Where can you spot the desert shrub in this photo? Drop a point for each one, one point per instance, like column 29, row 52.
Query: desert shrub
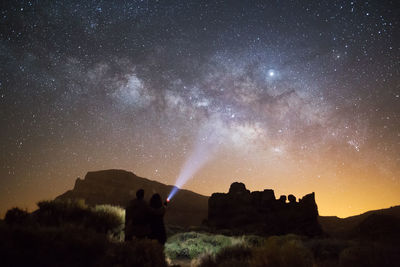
column 143, row 252
column 327, row 249
column 117, row 212
column 58, row 212
column 370, row 254
column 191, row 245
column 237, row 255
column 286, row 250
column 110, row 219
column 103, row 218
column 71, row 246
column 253, row 240
column 16, row 216
column 63, row 246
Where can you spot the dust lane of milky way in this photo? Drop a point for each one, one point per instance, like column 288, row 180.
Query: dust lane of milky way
column 297, row 96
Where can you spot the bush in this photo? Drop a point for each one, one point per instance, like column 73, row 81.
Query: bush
column 286, row 250
column 253, row 240
column 105, row 219
column 57, row 212
column 71, row 246
column 237, row 255
column 16, row 216
column 191, row 245
column 143, row 252
column 111, row 218
column 370, row 254
column 327, row 250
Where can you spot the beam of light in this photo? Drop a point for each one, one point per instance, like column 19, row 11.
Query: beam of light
column 172, row 193
column 203, row 151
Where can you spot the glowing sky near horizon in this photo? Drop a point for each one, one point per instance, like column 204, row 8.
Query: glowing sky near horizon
column 297, row 96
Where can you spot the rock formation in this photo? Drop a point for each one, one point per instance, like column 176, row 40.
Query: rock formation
column 117, row 187
column 260, row 212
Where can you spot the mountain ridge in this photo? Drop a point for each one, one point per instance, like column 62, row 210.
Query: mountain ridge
column 344, row 226
column 187, row 208
column 118, row 187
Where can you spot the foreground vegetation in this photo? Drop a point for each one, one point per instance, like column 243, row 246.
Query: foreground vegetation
column 105, row 219
column 209, row 250
column 191, row 245
column 68, row 246
column 70, row 233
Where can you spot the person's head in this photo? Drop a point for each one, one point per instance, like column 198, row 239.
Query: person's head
column 155, row 201
column 140, row 194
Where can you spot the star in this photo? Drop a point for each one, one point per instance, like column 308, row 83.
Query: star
column 271, row 73
column 138, row 85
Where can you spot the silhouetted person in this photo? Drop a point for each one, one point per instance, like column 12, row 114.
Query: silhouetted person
column 157, row 211
column 137, row 217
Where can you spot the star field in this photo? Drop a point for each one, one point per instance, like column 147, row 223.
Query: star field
column 297, row 96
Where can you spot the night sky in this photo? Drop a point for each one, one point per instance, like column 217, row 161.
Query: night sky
column 297, row 96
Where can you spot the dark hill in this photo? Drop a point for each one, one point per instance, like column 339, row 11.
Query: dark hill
column 343, row 227
column 379, row 227
column 117, row 187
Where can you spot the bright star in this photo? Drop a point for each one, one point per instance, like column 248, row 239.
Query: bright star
column 271, row 73
column 277, row 149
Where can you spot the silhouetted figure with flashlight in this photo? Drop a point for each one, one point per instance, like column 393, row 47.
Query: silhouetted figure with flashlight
column 157, row 212
column 137, row 217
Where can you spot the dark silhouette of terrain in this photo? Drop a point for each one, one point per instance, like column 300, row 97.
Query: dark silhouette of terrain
column 379, row 227
column 347, row 227
column 260, row 212
column 118, row 187
column 68, row 232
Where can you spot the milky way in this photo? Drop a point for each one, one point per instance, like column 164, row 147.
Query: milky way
column 297, row 96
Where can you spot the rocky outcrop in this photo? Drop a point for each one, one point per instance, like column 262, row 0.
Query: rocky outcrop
column 260, row 212
column 117, row 187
